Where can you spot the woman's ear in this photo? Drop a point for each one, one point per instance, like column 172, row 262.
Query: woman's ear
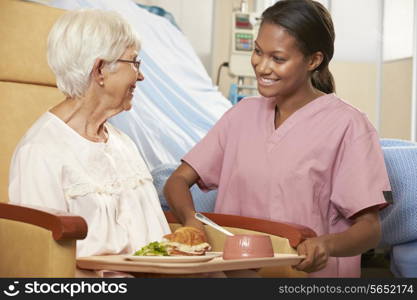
column 315, row 60
column 97, row 72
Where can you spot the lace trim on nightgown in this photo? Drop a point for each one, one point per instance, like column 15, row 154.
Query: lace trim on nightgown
column 82, row 188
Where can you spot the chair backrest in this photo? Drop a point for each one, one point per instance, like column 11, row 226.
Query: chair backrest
column 27, row 85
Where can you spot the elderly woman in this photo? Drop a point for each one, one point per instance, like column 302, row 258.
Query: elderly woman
column 71, row 159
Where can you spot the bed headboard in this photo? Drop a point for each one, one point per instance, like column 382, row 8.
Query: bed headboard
column 27, row 85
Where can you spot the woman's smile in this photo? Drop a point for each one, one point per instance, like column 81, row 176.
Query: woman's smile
column 266, row 82
column 132, row 89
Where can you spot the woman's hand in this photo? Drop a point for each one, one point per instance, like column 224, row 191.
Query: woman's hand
column 317, row 253
column 363, row 235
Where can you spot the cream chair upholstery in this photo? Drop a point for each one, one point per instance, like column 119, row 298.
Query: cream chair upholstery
column 38, row 243
column 27, row 85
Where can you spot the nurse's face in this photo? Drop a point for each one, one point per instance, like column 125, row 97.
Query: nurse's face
column 281, row 68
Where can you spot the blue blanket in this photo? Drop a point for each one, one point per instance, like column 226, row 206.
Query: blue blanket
column 203, row 201
column 399, row 220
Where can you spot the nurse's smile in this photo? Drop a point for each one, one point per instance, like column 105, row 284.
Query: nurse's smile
column 263, row 81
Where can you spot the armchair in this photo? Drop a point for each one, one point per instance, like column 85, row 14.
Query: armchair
column 38, row 243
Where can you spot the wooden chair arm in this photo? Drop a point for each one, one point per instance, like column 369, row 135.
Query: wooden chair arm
column 61, row 224
column 293, row 232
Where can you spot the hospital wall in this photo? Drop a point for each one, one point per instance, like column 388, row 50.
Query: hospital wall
column 396, row 99
column 356, row 83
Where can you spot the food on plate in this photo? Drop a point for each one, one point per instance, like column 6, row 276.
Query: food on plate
column 153, row 249
column 184, row 241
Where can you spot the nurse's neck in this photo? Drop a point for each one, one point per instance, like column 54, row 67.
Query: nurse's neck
column 287, row 105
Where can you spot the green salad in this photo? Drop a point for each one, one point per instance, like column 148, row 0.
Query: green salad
column 153, row 249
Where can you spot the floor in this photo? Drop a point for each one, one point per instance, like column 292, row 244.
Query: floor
column 376, row 264
column 376, row 273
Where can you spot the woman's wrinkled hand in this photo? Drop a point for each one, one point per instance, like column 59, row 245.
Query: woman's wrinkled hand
column 316, row 254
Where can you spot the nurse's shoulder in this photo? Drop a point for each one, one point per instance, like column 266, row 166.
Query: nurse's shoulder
column 355, row 122
column 249, row 107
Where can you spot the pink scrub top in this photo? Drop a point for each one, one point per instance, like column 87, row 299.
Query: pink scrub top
column 323, row 165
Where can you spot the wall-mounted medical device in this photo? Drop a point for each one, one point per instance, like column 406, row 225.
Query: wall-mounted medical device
column 245, row 27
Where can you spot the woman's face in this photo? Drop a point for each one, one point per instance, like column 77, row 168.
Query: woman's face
column 121, row 82
column 281, row 68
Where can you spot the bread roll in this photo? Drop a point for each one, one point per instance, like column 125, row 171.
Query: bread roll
column 187, row 241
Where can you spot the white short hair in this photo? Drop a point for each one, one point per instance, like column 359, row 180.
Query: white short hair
column 78, row 38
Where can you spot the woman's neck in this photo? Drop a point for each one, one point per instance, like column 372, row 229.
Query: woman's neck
column 287, row 105
column 85, row 116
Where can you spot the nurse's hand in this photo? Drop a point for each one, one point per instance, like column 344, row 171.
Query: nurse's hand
column 316, row 252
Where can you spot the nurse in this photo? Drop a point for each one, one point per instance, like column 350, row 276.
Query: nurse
column 297, row 153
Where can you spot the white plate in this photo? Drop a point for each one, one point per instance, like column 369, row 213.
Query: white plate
column 175, row 259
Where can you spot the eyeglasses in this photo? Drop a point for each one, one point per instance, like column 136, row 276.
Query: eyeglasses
column 136, row 63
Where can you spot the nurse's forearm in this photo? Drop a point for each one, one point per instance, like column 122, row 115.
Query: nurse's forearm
column 178, row 195
column 363, row 235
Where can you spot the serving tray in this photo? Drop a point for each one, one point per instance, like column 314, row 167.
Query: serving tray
column 124, row 263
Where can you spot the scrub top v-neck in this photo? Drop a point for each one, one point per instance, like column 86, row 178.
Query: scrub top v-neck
column 320, row 167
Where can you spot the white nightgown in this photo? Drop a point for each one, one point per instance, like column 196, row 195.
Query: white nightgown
column 108, row 184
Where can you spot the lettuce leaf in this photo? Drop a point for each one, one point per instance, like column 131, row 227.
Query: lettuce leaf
column 153, row 249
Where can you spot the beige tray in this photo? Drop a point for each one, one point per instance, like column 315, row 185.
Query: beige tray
column 120, row 263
